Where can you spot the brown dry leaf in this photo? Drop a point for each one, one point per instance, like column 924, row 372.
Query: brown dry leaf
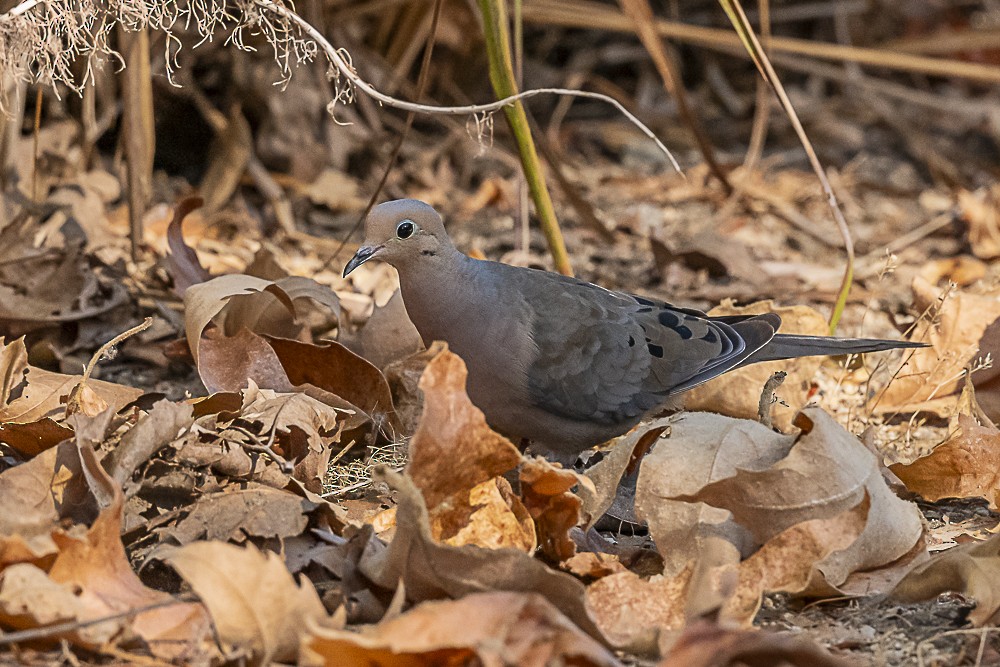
column 430, row 570
column 455, row 459
column 38, row 496
column 956, row 336
column 29, row 394
column 44, row 285
column 387, row 336
column 590, row 565
column 90, row 576
column 34, row 437
column 183, row 264
column 963, row 270
column 266, row 312
column 304, row 429
column 546, row 491
column 163, row 424
column 204, row 301
column 229, row 363
column 632, row 611
column 793, row 561
column 737, row 394
column 490, row 629
column 981, row 212
column 720, row 478
column 970, row 569
column 236, row 515
column 336, row 190
column 623, row 453
column 966, row 465
column 708, row 644
column 453, row 448
column 254, row 602
column 492, row 518
column 334, row 369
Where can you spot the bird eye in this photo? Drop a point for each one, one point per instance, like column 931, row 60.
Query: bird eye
column 404, row 230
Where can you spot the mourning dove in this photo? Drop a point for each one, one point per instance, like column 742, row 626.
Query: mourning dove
column 559, row 361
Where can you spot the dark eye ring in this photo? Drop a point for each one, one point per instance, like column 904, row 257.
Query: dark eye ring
column 404, row 230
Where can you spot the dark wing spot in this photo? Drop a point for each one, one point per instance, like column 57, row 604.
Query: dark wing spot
column 655, row 350
column 631, row 341
column 684, row 332
column 428, row 252
column 643, row 302
column 710, row 337
column 668, row 319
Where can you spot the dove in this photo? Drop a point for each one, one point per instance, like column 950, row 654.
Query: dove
column 558, row 361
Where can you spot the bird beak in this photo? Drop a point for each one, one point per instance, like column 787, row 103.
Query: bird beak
column 363, row 254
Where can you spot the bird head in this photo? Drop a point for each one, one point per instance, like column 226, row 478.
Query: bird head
column 399, row 232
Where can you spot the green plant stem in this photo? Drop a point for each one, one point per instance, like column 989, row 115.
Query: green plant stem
column 504, row 85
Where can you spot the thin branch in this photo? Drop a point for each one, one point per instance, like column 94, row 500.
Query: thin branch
column 348, row 72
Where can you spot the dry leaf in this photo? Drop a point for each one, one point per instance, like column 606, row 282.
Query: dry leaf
column 708, row 644
column 453, row 448
column 236, row 515
column 737, row 393
column 485, row 628
column 182, row 261
column 970, row 569
column 966, row 465
column 981, row 212
column 430, row 570
column 334, row 369
column 253, row 599
column 546, row 490
column 30, row 394
column 717, row 478
column 793, row 561
column 632, row 612
column 956, row 336
column 492, row 517
column 90, row 576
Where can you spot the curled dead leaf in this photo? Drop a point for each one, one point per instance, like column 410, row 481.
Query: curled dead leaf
column 255, row 603
column 495, row 628
column 970, row 569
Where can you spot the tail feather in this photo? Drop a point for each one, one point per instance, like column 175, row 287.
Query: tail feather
column 790, row 346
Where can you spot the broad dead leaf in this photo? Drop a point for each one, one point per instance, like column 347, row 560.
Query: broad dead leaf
column 966, row 465
column 708, row 644
column 717, row 478
column 970, row 569
column 234, row 516
column 632, row 611
column 495, row 628
column 546, row 490
column 981, row 212
column 737, row 393
column 955, row 331
column 30, row 394
column 334, row 369
column 254, row 601
column 793, row 561
column 90, row 576
column 430, row 570
column 453, row 448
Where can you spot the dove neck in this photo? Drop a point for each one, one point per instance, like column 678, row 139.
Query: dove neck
column 435, row 291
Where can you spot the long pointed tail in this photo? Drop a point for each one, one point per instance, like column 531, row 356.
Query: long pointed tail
column 790, row 346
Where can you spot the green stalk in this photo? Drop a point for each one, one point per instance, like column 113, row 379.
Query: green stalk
column 504, row 85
